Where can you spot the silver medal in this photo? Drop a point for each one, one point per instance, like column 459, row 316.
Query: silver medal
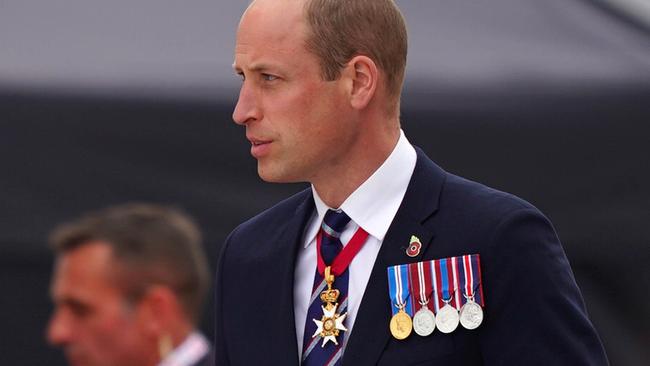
column 447, row 319
column 424, row 322
column 471, row 315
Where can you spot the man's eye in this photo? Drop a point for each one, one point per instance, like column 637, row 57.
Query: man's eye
column 79, row 310
column 268, row 77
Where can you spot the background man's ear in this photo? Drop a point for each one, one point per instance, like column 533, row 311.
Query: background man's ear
column 155, row 309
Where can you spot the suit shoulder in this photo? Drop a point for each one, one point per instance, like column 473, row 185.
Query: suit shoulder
column 480, row 200
column 460, row 197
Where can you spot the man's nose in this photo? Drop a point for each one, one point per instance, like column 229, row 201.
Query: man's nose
column 59, row 329
column 247, row 109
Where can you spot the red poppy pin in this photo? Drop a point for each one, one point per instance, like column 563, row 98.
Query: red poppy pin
column 414, row 247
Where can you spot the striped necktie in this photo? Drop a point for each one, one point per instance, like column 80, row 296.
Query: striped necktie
column 313, row 353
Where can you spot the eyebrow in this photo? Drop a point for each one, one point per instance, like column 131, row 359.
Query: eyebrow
column 255, row 67
column 74, row 303
column 71, row 302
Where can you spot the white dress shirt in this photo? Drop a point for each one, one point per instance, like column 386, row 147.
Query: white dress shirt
column 372, row 206
column 193, row 348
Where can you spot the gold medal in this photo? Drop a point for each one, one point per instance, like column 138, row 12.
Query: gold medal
column 331, row 323
column 401, row 324
column 330, row 296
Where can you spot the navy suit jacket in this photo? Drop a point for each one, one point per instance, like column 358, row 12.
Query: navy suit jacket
column 534, row 312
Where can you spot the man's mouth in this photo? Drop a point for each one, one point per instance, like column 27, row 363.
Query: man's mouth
column 259, row 148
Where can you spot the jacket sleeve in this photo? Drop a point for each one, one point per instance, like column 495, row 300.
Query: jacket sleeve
column 535, row 314
column 220, row 341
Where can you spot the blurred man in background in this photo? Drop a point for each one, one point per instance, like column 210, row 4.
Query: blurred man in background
column 128, row 288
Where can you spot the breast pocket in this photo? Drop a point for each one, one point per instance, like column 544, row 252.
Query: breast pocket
column 416, row 350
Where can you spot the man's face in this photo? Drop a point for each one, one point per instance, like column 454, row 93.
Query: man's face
column 298, row 124
column 92, row 321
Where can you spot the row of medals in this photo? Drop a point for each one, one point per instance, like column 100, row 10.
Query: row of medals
column 424, row 322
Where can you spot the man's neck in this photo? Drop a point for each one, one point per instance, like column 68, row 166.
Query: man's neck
column 335, row 187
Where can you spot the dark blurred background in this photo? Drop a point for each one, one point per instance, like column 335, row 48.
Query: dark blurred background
column 107, row 102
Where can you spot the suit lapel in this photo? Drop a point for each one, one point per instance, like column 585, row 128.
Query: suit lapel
column 370, row 333
column 284, row 328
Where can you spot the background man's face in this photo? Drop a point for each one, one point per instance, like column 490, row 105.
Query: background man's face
column 296, row 122
column 92, row 322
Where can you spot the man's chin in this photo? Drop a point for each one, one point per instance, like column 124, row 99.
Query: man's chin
column 78, row 359
column 273, row 175
column 74, row 360
column 274, row 179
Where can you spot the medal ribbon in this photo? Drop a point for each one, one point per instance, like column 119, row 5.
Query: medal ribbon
column 344, row 258
column 456, row 285
column 398, row 289
column 420, row 284
column 470, row 278
column 435, row 285
column 465, row 278
column 462, row 275
column 443, row 274
column 475, row 261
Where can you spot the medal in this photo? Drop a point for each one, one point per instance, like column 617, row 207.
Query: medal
column 436, row 287
column 447, row 319
column 401, row 324
column 424, row 321
column 331, row 323
column 471, row 314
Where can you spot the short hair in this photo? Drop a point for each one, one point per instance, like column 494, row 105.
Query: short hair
column 338, row 30
column 152, row 245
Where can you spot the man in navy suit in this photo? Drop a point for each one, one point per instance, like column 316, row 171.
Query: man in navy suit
column 320, row 96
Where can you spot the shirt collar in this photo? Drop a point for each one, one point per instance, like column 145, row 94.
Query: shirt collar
column 374, row 203
column 193, row 348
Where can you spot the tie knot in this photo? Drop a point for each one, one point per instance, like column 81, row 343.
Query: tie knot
column 334, row 222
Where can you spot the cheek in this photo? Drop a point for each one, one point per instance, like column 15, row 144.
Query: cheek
column 325, row 116
column 287, row 108
column 297, row 97
column 306, row 116
column 110, row 336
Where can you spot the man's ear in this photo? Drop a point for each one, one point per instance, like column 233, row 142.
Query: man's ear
column 364, row 74
column 155, row 309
